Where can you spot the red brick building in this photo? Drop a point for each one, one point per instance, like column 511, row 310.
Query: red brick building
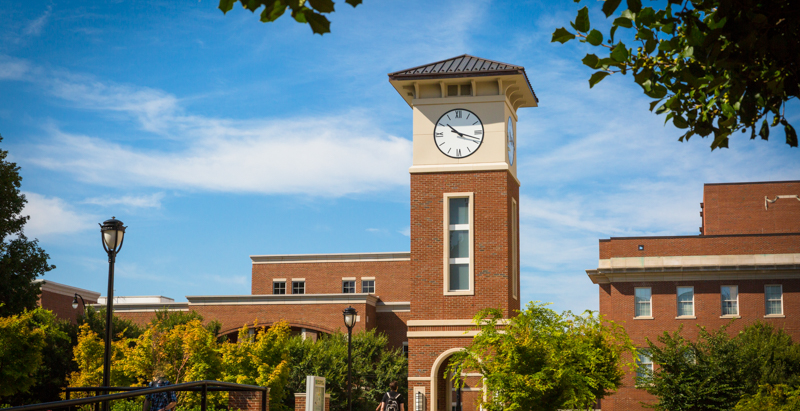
column 58, row 298
column 744, row 265
column 464, row 251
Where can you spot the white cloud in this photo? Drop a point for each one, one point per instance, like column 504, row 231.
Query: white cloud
column 34, row 28
column 144, row 201
column 53, row 216
column 406, row 231
column 332, row 155
column 13, row 68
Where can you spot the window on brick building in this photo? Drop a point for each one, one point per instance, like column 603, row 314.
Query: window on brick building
column 405, row 348
column 644, row 364
column 279, row 287
column 349, row 286
column 685, row 301
column 642, row 302
column 368, row 286
column 730, row 299
column 458, row 250
column 514, row 249
column 773, row 298
column 298, row 287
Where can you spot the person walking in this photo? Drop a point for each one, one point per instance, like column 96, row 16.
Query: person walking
column 160, row 401
column 392, row 400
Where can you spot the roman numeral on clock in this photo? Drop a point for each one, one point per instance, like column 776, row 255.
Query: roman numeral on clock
column 458, row 114
column 458, row 152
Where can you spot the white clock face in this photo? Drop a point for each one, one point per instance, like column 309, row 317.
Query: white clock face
column 458, row 133
column 512, row 145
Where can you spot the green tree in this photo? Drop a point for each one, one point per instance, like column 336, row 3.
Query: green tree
column 717, row 371
column 375, row 365
column 542, row 360
column 60, row 336
column 21, row 344
column 166, row 320
column 21, row 260
column 779, row 397
column 714, row 67
column 302, row 11
column 262, row 359
column 96, row 320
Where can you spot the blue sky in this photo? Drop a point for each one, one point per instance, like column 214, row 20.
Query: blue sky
column 218, row 137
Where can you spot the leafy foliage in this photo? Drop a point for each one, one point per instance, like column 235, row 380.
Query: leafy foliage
column 21, row 260
column 375, row 365
column 88, row 355
column 779, row 397
column 714, row 67
column 262, row 360
column 716, row 372
column 310, row 12
column 542, row 360
column 167, row 320
column 21, row 344
column 96, row 320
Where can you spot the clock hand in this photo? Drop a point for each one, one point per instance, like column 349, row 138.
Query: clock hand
column 461, row 134
column 468, row 139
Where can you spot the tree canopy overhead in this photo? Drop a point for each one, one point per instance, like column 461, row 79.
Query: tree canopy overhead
column 714, row 67
column 302, row 11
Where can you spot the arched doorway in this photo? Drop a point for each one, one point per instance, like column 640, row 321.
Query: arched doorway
column 444, row 396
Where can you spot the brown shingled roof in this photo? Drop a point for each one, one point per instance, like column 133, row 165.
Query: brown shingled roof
column 461, row 66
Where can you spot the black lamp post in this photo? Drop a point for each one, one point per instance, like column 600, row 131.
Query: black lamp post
column 350, row 314
column 75, row 301
column 112, row 232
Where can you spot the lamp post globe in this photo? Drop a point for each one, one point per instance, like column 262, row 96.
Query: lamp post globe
column 350, row 316
column 112, row 233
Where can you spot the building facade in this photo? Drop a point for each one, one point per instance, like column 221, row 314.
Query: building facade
column 464, row 240
column 744, row 266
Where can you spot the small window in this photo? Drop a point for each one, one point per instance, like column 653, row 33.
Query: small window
column 730, row 299
column 349, row 287
column 773, row 298
column 644, row 364
column 642, row 301
column 685, row 301
column 279, row 287
column 452, row 90
column 368, row 286
column 466, row 90
column 298, row 287
column 405, row 348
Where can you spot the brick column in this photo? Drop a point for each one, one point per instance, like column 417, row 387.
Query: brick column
column 246, row 400
column 300, row 402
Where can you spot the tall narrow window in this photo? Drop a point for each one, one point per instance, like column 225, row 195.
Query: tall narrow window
column 773, row 298
column 368, row 286
column 685, row 301
column 730, row 299
column 644, row 364
column 514, row 249
column 298, row 287
column 349, row 286
column 642, row 300
column 279, row 287
column 458, row 247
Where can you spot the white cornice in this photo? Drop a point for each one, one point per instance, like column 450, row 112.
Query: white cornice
column 699, row 261
column 441, row 334
column 146, row 307
column 63, row 289
column 441, row 323
column 393, row 307
column 330, row 258
column 283, row 299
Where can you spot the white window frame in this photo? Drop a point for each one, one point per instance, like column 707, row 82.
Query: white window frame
column 646, row 317
column 640, row 364
column 721, row 302
column 373, row 284
column 446, row 235
column 678, row 302
column 303, row 281
column 514, row 249
column 279, row 282
column 353, row 281
column 781, row 315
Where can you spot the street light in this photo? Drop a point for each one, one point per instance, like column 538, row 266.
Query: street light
column 75, row 301
column 112, row 232
column 350, row 314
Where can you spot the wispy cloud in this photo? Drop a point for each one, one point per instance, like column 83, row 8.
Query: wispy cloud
column 34, row 28
column 406, row 231
column 53, row 216
column 332, row 155
column 144, row 201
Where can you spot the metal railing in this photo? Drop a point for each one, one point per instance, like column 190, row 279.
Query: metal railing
column 204, row 387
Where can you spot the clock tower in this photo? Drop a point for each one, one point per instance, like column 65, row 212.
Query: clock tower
column 464, row 212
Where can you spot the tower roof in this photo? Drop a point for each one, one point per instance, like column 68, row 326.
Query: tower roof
column 464, row 65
